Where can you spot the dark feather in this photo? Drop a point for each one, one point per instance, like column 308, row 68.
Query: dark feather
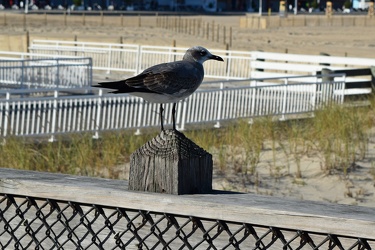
column 121, row 87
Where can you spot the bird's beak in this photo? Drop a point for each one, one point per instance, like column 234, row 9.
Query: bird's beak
column 217, row 58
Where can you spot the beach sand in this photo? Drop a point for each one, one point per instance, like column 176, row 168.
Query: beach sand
column 357, row 188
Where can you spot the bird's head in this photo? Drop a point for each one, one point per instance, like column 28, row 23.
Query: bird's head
column 200, row 54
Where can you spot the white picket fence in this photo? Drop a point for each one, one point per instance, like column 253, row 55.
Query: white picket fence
column 130, row 59
column 266, row 64
column 133, row 59
column 55, row 113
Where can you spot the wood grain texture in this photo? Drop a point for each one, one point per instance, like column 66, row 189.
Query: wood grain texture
column 304, row 215
column 171, row 163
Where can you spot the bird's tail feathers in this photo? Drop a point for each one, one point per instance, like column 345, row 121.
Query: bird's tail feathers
column 111, row 85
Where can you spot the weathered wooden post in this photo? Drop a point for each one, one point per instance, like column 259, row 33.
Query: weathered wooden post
column 65, row 18
column 24, row 22
column 171, row 163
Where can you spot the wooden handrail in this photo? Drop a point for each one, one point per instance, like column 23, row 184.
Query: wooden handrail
column 318, row 217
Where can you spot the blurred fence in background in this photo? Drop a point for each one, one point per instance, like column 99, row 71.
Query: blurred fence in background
column 132, row 59
column 45, row 73
column 253, row 21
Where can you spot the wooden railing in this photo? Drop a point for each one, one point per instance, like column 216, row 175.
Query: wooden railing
column 44, row 211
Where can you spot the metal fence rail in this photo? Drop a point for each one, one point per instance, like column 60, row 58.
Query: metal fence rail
column 39, row 223
column 46, row 73
column 54, row 113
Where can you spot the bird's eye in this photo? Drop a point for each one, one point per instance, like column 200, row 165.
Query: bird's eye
column 203, row 53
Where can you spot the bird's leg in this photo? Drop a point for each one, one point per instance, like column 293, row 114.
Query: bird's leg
column 161, row 110
column 174, row 116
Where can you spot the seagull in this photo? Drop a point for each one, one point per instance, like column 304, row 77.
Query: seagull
column 166, row 82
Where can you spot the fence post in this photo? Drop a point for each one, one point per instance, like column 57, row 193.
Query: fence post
column 27, row 42
column 228, row 61
column 254, row 91
column 217, row 33
column 372, row 68
column 327, row 80
column 57, row 80
column 342, row 96
column 284, row 99
column 219, row 106
column 89, row 72
column 98, row 114
column 139, row 60
column 6, row 121
column 140, row 116
column 224, row 34
column 314, row 96
column 22, row 80
column 173, row 52
column 183, row 117
column 109, row 59
column 213, row 31
column 230, row 36
column 178, row 117
column 24, row 22
column 207, row 30
column 194, row 27
column 54, row 116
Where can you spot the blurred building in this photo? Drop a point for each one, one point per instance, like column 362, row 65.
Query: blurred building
column 189, row 5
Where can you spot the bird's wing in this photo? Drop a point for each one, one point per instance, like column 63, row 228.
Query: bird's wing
column 169, row 78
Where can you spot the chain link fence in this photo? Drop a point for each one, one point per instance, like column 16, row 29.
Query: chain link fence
column 35, row 223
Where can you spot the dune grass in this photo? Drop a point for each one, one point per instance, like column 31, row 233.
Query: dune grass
column 75, row 154
column 339, row 135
